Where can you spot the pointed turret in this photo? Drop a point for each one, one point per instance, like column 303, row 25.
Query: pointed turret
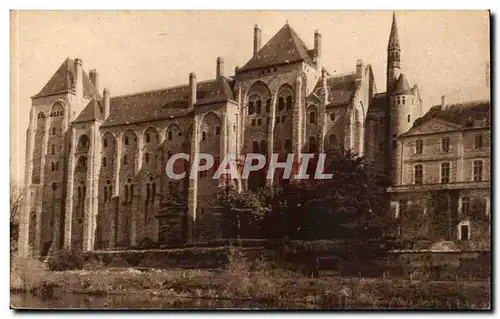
column 393, row 38
column 393, row 56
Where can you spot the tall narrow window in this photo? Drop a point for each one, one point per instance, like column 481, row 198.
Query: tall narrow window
column 281, row 104
column 125, row 141
column 445, row 144
column 478, row 171
column 131, row 193
column 169, row 135
column 465, row 206
column 409, row 118
column 53, row 150
column 204, row 136
column 403, row 100
column 418, row 174
column 146, row 157
column 147, row 137
column 251, row 109
column 125, row 194
column 53, row 166
column 105, row 142
column 312, row 117
column 268, row 105
column 289, row 102
column 53, row 131
column 445, row 173
column 419, row 147
column 125, row 159
column 217, row 130
column 478, row 142
column 153, row 192
column 104, row 162
column 464, row 232
column 258, row 106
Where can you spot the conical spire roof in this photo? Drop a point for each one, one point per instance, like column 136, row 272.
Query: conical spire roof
column 394, row 38
column 402, row 86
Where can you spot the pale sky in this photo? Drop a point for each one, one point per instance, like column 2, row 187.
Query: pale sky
column 443, row 52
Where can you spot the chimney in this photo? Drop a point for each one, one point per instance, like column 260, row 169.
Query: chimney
column 220, row 67
column 78, row 79
column 105, row 99
column 257, row 35
column 192, row 89
column 443, row 101
column 317, row 46
column 359, row 69
column 94, row 78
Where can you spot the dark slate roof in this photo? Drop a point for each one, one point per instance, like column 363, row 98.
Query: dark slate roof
column 402, row 86
column 62, row 81
column 93, row 111
column 378, row 104
column 165, row 103
column 466, row 114
column 341, row 88
column 284, row 47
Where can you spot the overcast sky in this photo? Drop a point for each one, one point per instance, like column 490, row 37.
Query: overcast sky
column 443, row 52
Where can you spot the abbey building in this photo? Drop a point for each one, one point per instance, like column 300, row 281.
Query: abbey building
column 95, row 176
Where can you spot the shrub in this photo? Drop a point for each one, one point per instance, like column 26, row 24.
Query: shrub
column 66, row 260
column 26, row 273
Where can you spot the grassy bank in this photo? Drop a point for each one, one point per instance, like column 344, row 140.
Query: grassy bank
column 241, row 279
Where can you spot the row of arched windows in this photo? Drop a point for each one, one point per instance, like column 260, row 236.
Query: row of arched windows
column 255, row 106
column 57, row 113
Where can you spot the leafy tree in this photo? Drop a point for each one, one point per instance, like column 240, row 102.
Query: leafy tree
column 242, row 213
column 352, row 204
column 174, row 207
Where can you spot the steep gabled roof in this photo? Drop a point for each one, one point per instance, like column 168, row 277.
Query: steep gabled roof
column 62, row 82
column 165, row 103
column 284, row 47
column 341, row 88
column 465, row 114
column 93, row 111
column 402, row 86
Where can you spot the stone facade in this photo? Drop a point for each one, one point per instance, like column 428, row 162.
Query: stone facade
column 95, row 164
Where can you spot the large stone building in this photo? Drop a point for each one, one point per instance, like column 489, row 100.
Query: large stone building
column 95, row 174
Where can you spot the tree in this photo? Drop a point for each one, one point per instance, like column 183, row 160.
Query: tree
column 174, row 213
column 352, row 204
column 16, row 197
column 242, row 213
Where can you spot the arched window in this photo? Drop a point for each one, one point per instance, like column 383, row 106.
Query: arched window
column 146, row 157
column 125, row 159
column 125, row 140
column 147, row 138
column 105, row 142
column 53, row 166
column 53, row 131
column 169, row 135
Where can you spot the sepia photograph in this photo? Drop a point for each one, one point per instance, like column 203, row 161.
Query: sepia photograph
column 289, row 160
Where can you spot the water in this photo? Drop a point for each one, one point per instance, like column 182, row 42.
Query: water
column 83, row 301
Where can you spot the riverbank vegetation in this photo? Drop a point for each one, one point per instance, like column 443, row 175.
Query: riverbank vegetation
column 243, row 279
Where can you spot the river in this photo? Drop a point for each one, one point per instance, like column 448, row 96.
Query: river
column 83, row 301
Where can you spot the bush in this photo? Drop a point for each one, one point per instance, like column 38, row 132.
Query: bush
column 66, row 260
column 26, row 273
